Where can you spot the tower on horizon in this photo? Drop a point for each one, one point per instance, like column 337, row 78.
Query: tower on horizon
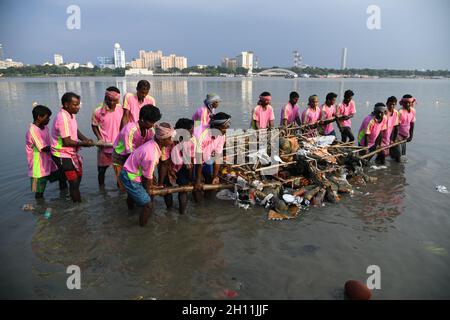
column 119, row 56
column 344, row 59
column 297, row 59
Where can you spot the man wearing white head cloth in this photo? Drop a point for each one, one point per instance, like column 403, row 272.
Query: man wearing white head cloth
column 202, row 114
column 137, row 173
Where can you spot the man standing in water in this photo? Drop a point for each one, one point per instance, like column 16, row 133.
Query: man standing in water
column 66, row 141
column 344, row 112
column 106, row 125
column 209, row 151
column 133, row 102
column 372, row 128
column 137, row 173
column 262, row 115
column 203, row 114
column 328, row 113
column 311, row 116
column 289, row 113
column 407, row 118
column 391, row 132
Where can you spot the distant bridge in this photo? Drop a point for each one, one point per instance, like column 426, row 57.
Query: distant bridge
column 277, row 72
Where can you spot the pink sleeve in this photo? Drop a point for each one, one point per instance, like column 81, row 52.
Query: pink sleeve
column 256, row 114
column 353, row 111
column 95, row 118
column 414, row 117
column 125, row 101
column 63, row 126
column 272, row 115
column 36, row 139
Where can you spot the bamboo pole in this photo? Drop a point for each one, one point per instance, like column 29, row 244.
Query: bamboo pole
column 381, row 149
column 275, row 166
column 206, row 187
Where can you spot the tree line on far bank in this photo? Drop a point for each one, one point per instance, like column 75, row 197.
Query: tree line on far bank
column 52, row 70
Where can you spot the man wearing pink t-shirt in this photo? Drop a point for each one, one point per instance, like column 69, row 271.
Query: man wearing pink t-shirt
column 202, row 115
column 133, row 102
column 132, row 136
column 289, row 113
column 406, row 118
column 137, row 173
column 311, row 116
column 371, row 131
column 262, row 115
column 41, row 167
column 106, row 126
column 344, row 112
column 391, row 133
column 209, row 152
column 66, row 142
column 327, row 114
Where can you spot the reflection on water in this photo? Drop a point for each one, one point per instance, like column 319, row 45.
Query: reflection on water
column 217, row 247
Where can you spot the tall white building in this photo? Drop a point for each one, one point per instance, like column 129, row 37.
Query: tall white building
column 58, row 59
column 119, row 56
column 344, row 59
column 245, row 60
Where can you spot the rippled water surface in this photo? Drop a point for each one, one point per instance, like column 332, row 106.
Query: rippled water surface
column 400, row 223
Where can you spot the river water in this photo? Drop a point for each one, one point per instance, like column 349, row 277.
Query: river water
column 400, row 223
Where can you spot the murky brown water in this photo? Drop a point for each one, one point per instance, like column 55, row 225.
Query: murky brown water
column 401, row 223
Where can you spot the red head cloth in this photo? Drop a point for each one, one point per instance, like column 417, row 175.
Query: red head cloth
column 266, row 99
column 164, row 130
column 112, row 95
column 411, row 100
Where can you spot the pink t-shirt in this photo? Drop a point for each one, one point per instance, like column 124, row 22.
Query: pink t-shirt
column 209, row 143
column 65, row 125
column 310, row 116
column 108, row 123
column 391, row 122
column 130, row 138
column 346, row 110
column 327, row 112
column 131, row 102
column 143, row 161
column 405, row 119
column 263, row 116
column 40, row 163
column 289, row 112
column 182, row 153
column 371, row 127
column 201, row 116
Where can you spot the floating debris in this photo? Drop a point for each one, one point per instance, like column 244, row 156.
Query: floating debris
column 442, row 189
column 28, row 207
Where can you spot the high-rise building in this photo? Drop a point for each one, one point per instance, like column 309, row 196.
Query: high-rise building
column 105, row 62
column 119, row 56
column 58, row 59
column 245, row 60
column 229, row 63
column 344, row 59
column 173, row 61
column 1, row 52
column 8, row 63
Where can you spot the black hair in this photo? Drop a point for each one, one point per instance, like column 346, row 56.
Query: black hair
column 407, row 96
column 293, row 95
column 67, row 97
column 184, row 123
column 221, row 116
column 380, row 104
column 391, row 99
column 143, row 84
column 348, row 94
column 330, row 96
column 115, row 89
column 265, row 94
column 40, row 111
column 149, row 113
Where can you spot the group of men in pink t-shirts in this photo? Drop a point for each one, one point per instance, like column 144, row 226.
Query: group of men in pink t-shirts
column 138, row 147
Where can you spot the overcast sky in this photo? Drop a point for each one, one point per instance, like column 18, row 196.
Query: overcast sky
column 414, row 34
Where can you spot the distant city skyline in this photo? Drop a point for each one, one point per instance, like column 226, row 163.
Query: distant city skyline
column 205, row 31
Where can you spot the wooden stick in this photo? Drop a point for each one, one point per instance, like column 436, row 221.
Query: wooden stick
column 275, row 166
column 381, row 149
column 206, row 187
